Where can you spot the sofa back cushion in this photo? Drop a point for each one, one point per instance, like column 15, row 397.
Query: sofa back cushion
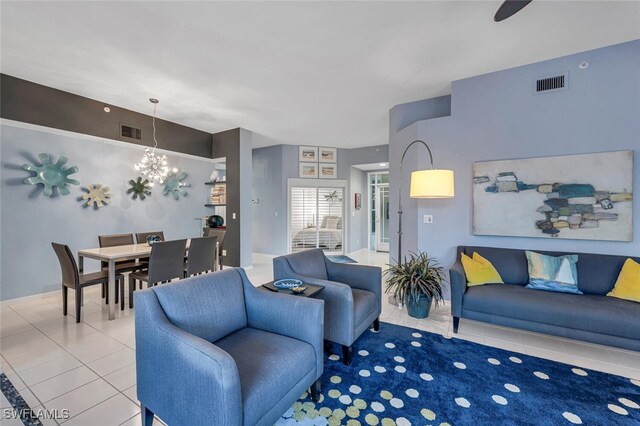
column 309, row 263
column 209, row 306
column 597, row 273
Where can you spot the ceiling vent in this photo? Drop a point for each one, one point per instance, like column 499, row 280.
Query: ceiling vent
column 552, row 83
column 130, row 132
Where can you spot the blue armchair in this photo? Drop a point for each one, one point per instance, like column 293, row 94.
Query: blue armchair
column 213, row 349
column 352, row 294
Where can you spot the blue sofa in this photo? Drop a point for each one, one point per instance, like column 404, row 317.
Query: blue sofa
column 592, row 317
column 215, row 350
column 352, row 294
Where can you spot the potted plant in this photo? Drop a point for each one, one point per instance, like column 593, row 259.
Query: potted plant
column 416, row 282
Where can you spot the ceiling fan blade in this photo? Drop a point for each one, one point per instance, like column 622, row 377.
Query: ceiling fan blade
column 510, row 8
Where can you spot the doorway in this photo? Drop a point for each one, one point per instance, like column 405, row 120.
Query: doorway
column 379, row 211
column 316, row 213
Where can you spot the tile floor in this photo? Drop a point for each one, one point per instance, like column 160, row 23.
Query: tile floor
column 89, row 368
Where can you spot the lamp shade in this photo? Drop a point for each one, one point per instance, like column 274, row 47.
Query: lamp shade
column 434, row 183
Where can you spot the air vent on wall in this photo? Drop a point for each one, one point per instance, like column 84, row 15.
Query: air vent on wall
column 130, row 132
column 551, row 83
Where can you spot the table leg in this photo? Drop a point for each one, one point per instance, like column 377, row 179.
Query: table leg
column 111, row 288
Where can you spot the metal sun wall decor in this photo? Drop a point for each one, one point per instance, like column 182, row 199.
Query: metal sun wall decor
column 97, row 195
column 139, row 188
column 174, row 185
column 51, row 175
column 587, row 196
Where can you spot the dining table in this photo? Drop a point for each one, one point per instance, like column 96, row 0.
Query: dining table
column 111, row 255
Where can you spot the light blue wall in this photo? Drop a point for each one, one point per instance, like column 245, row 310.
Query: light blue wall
column 30, row 221
column 497, row 116
column 274, row 165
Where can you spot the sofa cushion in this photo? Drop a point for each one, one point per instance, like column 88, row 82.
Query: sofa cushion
column 598, row 314
column 364, row 302
column 209, row 306
column 309, row 263
column 269, row 365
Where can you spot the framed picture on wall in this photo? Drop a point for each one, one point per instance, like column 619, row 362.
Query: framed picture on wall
column 308, row 153
column 328, row 155
column 308, row 170
column 357, row 198
column 328, row 171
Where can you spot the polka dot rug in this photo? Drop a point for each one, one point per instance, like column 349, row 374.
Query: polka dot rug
column 402, row 376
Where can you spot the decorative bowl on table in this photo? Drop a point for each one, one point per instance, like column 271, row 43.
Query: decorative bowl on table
column 151, row 239
column 287, row 284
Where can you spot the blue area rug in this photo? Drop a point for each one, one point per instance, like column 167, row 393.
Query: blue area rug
column 402, row 376
column 341, row 259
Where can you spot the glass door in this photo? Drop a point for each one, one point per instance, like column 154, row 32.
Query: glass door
column 382, row 217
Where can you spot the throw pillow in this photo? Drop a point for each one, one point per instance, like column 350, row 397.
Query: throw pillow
column 479, row 270
column 628, row 283
column 553, row 273
column 332, row 223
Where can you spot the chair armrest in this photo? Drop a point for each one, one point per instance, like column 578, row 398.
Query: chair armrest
column 339, row 319
column 362, row 277
column 171, row 362
column 458, row 287
column 300, row 318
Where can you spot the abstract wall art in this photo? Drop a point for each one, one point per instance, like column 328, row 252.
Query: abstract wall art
column 51, row 175
column 139, row 188
column 174, row 185
column 97, row 196
column 586, row 196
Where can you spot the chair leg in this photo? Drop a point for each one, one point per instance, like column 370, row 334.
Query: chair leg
column 316, row 389
column 65, row 297
column 104, row 290
column 117, row 298
column 78, row 303
column 147, row 416
column 456, row 323
column 346, row 355
column 132, row 286
column 376, row 324
column 121, row 282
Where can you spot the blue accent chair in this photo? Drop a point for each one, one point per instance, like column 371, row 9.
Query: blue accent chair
column 352, row 294
column 215, row 350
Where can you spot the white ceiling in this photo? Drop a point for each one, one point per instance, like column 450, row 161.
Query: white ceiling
column 316, row 73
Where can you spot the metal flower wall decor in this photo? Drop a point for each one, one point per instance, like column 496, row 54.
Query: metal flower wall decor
column 97, row 195
column 174, row 185
column 139, row 188
column 51, row 175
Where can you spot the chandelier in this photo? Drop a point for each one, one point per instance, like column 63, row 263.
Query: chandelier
column 154, row 166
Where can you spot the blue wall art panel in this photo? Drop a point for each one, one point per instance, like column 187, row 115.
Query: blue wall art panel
column 585, row 197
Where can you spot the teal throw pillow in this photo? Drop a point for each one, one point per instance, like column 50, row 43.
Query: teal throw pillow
column 553, row 273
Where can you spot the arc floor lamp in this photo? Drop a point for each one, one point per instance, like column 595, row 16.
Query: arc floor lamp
column 430, row 183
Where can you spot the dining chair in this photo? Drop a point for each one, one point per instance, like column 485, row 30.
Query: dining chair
column 114, row 240
column 202, row 256
column 166, row 262
column 141, row 237
column 220, row 233
column 72, row 278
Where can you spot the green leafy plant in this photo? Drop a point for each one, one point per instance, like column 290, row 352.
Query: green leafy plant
column 418, row 274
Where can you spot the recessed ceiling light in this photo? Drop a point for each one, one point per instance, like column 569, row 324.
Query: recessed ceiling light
column 107, row 109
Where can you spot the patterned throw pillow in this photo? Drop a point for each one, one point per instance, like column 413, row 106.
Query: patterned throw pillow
column 553, row 273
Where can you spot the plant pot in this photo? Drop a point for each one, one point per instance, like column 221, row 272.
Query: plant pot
column 418, row 308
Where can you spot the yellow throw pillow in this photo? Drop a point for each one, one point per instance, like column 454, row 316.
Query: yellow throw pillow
column 479, row 270
column 628, row 283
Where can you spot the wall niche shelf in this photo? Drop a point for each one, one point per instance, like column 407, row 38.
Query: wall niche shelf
column 223, row 182
column 215, row 205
